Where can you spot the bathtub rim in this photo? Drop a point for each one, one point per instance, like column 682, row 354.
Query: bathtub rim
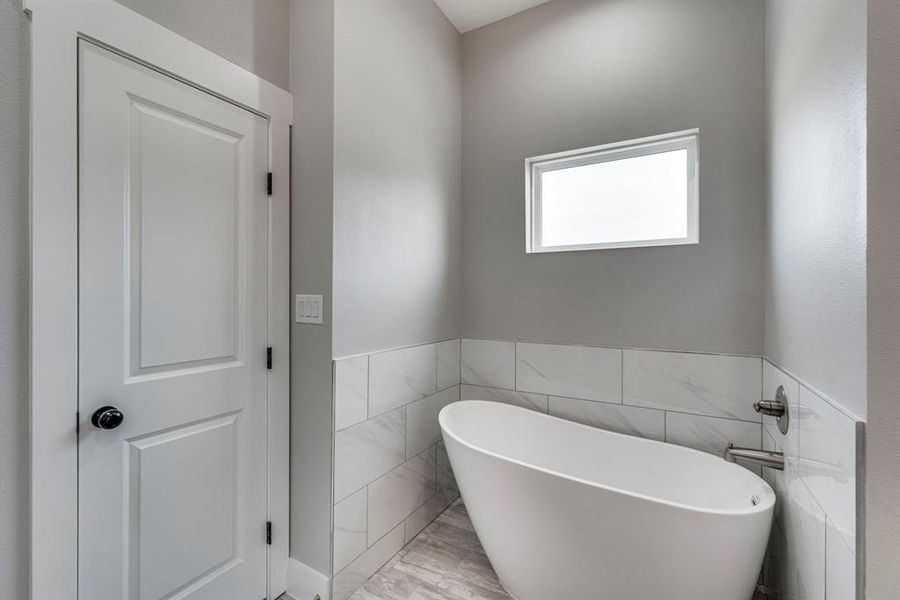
column 768, row 503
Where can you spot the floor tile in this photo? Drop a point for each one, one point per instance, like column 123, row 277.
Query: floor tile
column 444, row 562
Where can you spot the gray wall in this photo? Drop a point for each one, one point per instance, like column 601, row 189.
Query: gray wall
column 816, row 213
column 632, row 69
column 250, row 33
column 14, row 299
column 312, row 83
column 883, row 263
column 396, row 175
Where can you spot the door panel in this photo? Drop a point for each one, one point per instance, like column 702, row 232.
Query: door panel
column 197, row 184
column 202, row 457
column 172, row 331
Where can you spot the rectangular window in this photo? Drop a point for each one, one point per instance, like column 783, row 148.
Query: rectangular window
column 636, row 193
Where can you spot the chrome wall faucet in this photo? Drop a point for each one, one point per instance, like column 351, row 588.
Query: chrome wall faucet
column 766, row 458
column 774, row 408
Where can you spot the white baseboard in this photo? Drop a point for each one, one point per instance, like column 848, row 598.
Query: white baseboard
column 304, row 583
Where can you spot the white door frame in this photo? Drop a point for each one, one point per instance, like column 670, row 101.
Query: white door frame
column 56, row 27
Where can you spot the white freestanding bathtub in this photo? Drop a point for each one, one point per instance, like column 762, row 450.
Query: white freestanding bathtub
column 570, row 512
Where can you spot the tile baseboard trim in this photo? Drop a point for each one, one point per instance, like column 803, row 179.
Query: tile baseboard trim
column 305, row 583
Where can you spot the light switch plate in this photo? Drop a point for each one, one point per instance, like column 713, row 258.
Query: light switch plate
column 308, row 308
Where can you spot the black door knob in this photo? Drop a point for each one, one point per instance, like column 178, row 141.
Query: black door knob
column 107, row 417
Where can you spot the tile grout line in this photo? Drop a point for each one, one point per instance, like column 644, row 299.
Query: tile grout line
column 391, row 530
column 405, row 409
column 394, row 349
column 516, row 367
column 825, row 557
column 815, row 391
column 403, row 522
column 406, row 575
column 762, row 393
column 618, row 404
column 611, row 347
column 622, row 352
column 383, row 475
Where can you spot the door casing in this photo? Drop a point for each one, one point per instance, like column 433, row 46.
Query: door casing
column 56, row 27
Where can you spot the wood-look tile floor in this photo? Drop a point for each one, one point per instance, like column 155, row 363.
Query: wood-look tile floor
column 444, row 562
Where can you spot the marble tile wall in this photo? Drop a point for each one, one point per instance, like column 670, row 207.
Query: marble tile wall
column 703, row 401
column 392, row 476
column 813, row 548
column 696, row 400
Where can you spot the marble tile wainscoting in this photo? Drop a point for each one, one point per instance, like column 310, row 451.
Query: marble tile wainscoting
column 698, row 400
column 703, row 401
column 813, row 549
column 392, row 476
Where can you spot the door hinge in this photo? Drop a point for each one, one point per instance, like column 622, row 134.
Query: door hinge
column 268, row 533
column 77, row 422
column 269, row 183
column 269, row 358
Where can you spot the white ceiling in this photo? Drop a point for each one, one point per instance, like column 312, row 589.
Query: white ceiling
column 467, row 15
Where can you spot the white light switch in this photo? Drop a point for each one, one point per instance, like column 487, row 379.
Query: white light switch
column 308, row 308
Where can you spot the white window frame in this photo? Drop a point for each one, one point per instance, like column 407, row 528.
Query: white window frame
column 536, row 166
column 56, row 27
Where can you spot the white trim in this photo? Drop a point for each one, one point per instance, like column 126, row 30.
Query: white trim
column 305, row 583
column 279, row 339
column 56, row 27
column 537, row 165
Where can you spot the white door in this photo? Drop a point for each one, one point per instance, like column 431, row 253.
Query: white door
column 172, row 333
